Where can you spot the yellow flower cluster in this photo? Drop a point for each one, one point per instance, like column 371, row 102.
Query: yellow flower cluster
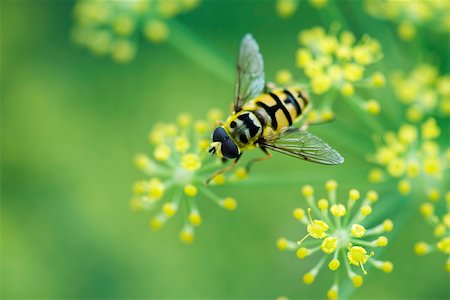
column 178, row 169
column 441, row 229
column 286, row 8
column 424, row 90
column 412, row 154
column 339, row 232
column 337, row 62
column 114, row 27
column 411, row 14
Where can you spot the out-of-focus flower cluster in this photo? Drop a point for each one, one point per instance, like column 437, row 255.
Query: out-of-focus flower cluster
column 339, row 232
column 409, row 15
column 424, row 91
column 336, row 62
column 441, row 229
column 287, row 8
column 114, row 27
column 414, row 157
column 177, row 171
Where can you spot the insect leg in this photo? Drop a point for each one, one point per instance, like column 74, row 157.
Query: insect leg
column 224, row 170
column 251, row 162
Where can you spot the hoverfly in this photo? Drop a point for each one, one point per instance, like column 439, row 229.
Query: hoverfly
column 263, row 118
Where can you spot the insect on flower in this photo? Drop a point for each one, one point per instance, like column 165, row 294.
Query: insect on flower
column 264, row 119
column 177, row 170
column 340, row 234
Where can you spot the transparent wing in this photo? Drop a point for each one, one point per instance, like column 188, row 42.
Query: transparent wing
column 302, row 144
column 250, row 72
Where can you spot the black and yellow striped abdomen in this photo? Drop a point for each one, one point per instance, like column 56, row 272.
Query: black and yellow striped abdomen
column 279, row 108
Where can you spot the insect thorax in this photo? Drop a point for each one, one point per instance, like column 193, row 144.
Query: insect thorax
column 244, row 128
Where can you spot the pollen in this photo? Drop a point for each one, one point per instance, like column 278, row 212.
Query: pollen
column 190, row 162
column 329, row 245
column 334, row 264
column 302, row 252
column 357, row 255
column 229, row 203
column 338, row 210
column 317, row 228
column 358, row 230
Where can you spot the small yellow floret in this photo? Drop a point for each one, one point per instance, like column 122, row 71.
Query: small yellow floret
column 387, row 267
column 382, row 241
column 421, row 248
column 156, row 31
column 282, row 244
column 372, row 196
column 444, row 245
column 187, row 236
column 357, row 280
column 439, row 230
column 404, row 187
column 331, row 185
column 358, row 230
column 218, row 179
column 195, row 218
column 308, row 278
column 347, row 89
column 320, row 84
column 229, row 203
column 169, row 209
column 184, row 120
column 375, row 176
column 201, row 126
column 298, row 213
column 357, row 255
column 407, row 134
column 434, row 195
column 190, row 162
column 332, row 294
column 155, row 189
column 156, row 223
column 182, row 144
column 141, row 161
column 406, row 31
column 241, row 173
column 366, row 210
column 162, row 152
column 388, row 225
column 302, row 252
column 378, row 79
column 329, row 244
column 353, row 195
column 215, row 115
column 316, row 228
column 427, row 209
column 283, row 77
column 338, row 210
column 322, row 204
column 373, row 107
column 334, row 264
column 190, row 190
column 286, row 8
column 307, row 190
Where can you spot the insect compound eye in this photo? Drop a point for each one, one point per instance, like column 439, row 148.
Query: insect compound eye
column 229, row 149
column 220, row 135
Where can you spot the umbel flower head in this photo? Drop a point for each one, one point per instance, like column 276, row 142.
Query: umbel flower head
column 114, row 27
column 414, row 157
column 441, row 229
column 424, row 91
column 410, row 15
column 287, row 8
column 338, row 231
column 177, row 170
column 337, row 63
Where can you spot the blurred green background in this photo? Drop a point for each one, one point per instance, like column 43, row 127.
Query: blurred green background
column 72, row 122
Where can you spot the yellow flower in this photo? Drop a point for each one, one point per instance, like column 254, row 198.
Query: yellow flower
column 178, row 171
column 340, row 236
